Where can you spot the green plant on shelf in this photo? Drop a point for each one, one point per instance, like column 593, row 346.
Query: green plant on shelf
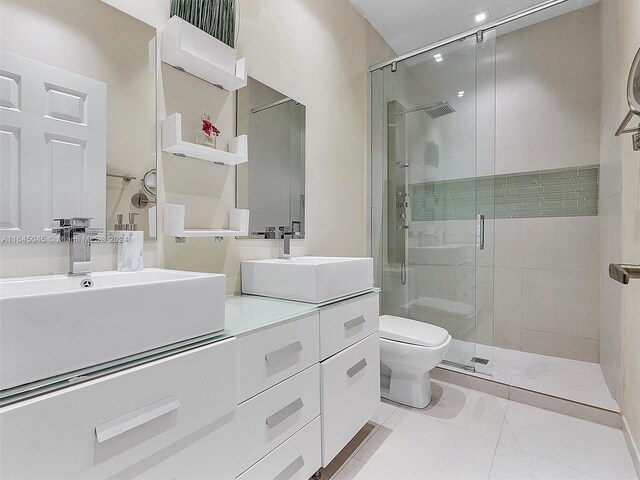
column 216, row 17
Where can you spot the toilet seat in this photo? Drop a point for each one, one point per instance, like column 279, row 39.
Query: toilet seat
column 411, row 331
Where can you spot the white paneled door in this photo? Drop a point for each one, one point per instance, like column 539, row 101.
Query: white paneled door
column 53, row 147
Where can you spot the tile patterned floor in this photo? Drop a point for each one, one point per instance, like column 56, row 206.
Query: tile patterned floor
column 465, row 434
column 561, row 377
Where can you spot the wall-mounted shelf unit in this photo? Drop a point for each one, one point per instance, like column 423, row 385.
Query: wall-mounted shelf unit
column 174, row 224
column 194, row 51
column 172, row 143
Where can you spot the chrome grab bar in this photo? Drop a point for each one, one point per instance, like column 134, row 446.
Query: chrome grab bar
column 623, row 272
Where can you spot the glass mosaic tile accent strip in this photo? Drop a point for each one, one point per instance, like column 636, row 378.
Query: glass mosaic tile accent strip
column 547, row 193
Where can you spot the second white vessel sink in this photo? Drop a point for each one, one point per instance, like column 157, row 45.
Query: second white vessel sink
column 56, row 324
column 307, row 279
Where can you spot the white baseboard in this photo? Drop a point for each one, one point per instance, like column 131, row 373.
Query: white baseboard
column 631, row 445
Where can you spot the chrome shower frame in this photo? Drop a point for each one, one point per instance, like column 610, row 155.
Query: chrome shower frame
column 475, row 32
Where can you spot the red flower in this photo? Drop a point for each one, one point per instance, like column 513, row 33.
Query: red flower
column 209, row 128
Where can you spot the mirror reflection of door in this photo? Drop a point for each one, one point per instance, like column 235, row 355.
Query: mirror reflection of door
column 54, row 142
column 78, row 108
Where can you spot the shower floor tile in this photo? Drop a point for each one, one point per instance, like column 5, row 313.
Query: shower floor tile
column 561, row 377
column 465, row 434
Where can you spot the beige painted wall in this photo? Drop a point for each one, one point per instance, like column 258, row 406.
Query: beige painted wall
column 620, row 217
column 313, row 51
column 631, row 243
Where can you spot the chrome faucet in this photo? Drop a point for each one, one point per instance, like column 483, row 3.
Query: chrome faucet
column 285, row 233
column 77, row 232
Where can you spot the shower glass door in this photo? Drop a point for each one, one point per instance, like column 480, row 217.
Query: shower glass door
column 432, row 210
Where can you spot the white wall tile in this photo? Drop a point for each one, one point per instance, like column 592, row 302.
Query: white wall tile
column 508, row 242
column 547, row 116
column 569, row 243
column 507, row 337
column 508, row 298
column 557, row 345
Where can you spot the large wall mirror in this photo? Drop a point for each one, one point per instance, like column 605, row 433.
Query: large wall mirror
column 271, row 183
column 78, row 114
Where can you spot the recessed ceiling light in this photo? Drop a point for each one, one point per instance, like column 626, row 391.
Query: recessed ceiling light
column 438, row 57
column 461, row 93
column 482, row 16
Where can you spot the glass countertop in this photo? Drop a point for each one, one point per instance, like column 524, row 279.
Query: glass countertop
column 243, row 314
column 246, row 313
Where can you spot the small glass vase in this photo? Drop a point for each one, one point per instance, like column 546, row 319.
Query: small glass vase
column 204, row 139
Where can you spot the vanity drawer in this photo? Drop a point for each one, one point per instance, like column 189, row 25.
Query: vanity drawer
column 150, row 419
column 350, row 394
column 296, row 459
column 347, row 323
column 268, row 419
column 268, row 356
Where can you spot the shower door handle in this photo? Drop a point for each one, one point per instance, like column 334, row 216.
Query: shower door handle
column 481, row 217
column 623, row 272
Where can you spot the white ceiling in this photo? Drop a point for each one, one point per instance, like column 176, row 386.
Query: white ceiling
column 410, row 24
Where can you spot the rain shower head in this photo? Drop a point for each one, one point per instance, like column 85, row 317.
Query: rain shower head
column 434, row 110
column 440, row 111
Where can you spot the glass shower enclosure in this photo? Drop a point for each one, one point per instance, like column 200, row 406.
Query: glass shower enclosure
column 432, row 210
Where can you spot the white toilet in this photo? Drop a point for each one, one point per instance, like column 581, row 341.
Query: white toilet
column 408, row 351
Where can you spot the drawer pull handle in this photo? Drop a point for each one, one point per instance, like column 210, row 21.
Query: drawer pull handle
column 357, row 367
column 136, row 418
column 292, row 468
column 355, row 322
column 283, row 353
column 284, row 413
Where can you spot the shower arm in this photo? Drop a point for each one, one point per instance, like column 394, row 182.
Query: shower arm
column 423, row 108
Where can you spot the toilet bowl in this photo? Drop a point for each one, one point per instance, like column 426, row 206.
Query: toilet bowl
column 408, row 351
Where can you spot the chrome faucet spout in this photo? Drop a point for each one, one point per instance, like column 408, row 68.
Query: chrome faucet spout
column 286, row 246
column 285, row 233
column 77, row 232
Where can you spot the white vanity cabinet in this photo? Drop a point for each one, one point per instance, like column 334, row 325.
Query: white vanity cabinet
column 277, row 400
column 306, row 386
column 278, row 396
column 349, row 371
column 172, row 418
column 270, row 355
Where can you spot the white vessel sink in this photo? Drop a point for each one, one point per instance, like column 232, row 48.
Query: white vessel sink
column 307, row 279
column 52, row 325
column 448, row 254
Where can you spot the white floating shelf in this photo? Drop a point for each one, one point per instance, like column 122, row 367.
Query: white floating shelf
column 172, row 143
column 174, row 224
column 188, row 48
